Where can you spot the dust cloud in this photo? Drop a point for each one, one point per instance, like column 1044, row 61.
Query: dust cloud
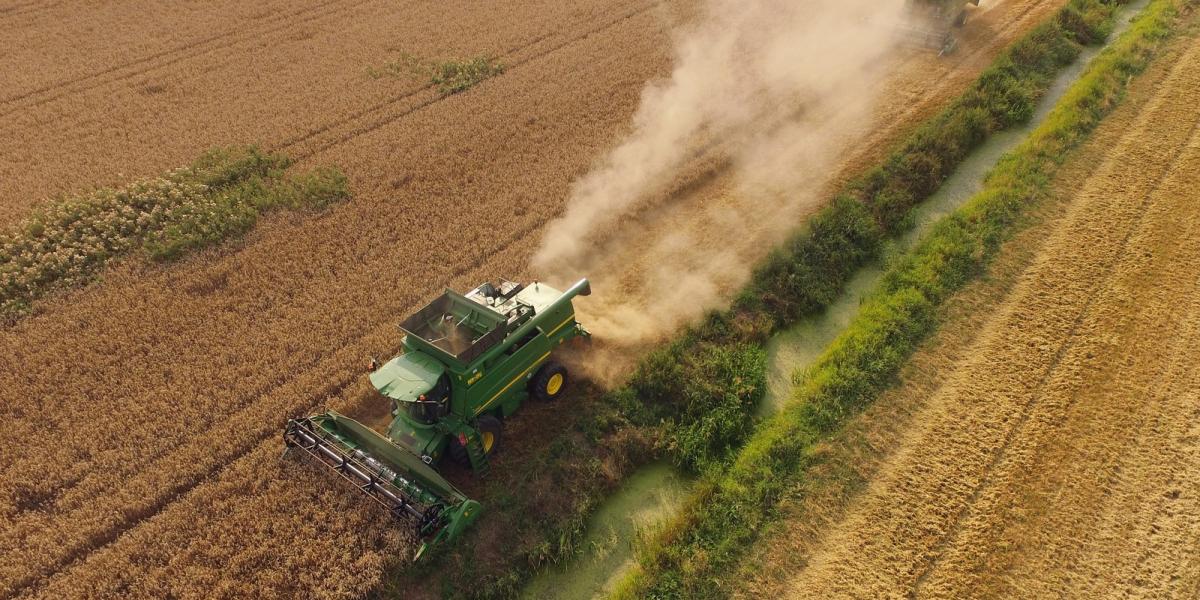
column 723, row 159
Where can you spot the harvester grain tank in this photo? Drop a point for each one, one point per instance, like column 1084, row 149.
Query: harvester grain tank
column 468, row 361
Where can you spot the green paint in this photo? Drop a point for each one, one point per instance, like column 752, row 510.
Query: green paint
column 467, row 360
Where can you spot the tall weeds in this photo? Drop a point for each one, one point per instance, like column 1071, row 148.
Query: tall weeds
column 219, row 195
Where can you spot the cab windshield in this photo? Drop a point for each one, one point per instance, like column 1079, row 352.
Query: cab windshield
column 427, row 408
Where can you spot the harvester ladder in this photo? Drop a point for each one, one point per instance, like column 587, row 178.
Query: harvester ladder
column 479, row 460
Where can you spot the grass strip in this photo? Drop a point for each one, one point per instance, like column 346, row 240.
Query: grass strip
column 220, row 195
column 450, row 76
column 697, row 552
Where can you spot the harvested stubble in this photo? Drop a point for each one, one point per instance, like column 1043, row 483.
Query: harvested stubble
column 1041, row 468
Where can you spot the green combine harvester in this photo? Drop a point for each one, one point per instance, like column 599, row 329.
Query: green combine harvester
column 932, row 23
column 468, row 361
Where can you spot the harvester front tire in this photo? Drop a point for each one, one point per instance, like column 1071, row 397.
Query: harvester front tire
column 549, row 382
column 489, row 437
column 489, row 433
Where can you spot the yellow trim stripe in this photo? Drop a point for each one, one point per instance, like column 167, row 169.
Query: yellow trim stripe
column 560, row 325
column 510, row 384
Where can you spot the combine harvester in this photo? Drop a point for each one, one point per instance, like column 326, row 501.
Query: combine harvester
column 931, row 23
column 467, row 361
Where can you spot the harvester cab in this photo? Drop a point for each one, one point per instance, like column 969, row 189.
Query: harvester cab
column 468, row 361
column 931, row 23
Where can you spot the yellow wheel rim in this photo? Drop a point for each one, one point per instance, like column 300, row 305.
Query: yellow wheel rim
column 488, row 441
column 555, row 384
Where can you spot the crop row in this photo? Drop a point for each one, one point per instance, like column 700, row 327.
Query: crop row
column 701, row 546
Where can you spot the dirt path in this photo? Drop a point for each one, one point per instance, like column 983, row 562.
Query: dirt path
column 142, row 422
column 1061, row 455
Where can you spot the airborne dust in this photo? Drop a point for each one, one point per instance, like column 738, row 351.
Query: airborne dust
column 723, row 158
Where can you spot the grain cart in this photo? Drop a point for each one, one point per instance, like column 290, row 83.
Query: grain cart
column 931, row 23
column 468, row 361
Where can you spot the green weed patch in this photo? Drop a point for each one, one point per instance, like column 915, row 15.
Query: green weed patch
column 218, row 196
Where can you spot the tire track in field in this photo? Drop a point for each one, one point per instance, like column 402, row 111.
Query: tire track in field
column 1024, row 538
column 1170, row 516
column 1126, row 519
column 172, row 56
column 27, row 8
column 897, row 534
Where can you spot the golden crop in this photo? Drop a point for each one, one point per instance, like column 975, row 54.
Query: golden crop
column 142, row 413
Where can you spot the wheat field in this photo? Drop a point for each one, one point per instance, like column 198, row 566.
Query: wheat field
column 143, row 411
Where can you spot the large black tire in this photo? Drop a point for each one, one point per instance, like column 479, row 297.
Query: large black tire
column 489, row 432
column 458, row 453
column 549, row 382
